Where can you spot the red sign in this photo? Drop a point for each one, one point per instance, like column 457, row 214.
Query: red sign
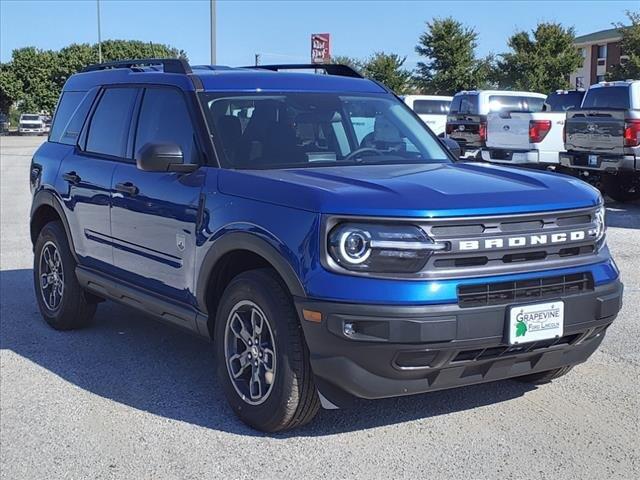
column 320, row 51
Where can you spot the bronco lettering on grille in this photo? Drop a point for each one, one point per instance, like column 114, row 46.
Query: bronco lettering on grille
column 524, row 241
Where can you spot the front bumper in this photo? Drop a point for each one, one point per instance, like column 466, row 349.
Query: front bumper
column 519, row 157
column 31, row 130
column 602, row 163
column 414, row 349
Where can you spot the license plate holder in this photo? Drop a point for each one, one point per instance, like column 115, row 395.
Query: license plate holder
column 592, row 160
column 535, row 322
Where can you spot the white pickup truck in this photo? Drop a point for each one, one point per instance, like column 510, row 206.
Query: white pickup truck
column 31, row 123
column 533, row 138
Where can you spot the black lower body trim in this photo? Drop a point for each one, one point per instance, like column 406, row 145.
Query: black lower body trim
column 107, row 287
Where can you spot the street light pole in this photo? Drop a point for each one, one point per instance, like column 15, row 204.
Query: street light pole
column 99, row 34
column 213, row 31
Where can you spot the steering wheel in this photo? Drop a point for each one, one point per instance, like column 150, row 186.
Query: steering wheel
column 361, row 150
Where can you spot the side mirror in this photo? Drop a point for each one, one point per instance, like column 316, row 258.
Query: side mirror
column 452, row 146
column 162, row 157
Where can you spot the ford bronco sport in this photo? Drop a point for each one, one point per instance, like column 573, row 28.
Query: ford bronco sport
column 313, row 228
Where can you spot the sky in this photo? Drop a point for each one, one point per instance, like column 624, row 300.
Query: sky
column 280, row 30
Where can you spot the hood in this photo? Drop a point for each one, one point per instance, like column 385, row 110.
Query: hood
column 436, row 190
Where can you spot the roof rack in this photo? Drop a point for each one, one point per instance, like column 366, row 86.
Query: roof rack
column 329, row 68
column 170, row 65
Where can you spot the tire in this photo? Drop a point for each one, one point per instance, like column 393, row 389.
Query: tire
column 621, row 189
column 545, row 377
column 288, row 398
column 71, row 307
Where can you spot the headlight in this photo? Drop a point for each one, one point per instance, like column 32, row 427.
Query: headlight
column 601, row 227
column 380, row 248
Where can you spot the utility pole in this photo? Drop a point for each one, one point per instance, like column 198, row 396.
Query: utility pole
column 213, row 31
column 257, row 59
column 99, row 35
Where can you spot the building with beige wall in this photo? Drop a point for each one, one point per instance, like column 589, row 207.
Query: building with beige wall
column 600, row 51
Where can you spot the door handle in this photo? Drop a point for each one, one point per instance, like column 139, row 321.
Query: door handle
column 72, row 177
column 127, row 187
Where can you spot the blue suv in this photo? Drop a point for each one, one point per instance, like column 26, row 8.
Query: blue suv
column 311, row 226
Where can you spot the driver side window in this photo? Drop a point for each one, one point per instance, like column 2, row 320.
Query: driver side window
column 164, row 118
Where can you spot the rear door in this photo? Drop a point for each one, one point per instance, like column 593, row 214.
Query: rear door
column 508, row 130
column 154, row 214
column 598, row 131
column 85, row 174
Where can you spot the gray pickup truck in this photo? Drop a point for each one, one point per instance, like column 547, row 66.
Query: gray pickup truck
column 602, row 138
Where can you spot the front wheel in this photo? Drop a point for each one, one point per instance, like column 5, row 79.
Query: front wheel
column 262, row 358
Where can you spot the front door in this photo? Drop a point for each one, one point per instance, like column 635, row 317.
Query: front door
column 154, row 214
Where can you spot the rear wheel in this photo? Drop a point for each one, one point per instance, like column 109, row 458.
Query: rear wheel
column 545, row 377
column 263, row 361
column 61, row 300
column 622, row 188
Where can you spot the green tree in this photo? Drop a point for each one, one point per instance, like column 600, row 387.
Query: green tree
column 34, row 78
column 630, row 46
column 542, row 62
column 10, row 88
column 450, row 65
column 34, row 69
column 387, row 69
column 352, row 62
column 113, row 50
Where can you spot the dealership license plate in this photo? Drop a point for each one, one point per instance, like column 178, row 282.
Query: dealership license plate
column 593, row 160
column 540, row 321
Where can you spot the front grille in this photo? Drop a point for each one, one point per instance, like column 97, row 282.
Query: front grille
column 502, row 293
column 481, row 246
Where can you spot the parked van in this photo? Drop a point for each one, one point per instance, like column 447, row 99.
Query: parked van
column 432, row 110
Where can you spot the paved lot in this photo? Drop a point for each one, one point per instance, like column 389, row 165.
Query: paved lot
column 132, row 398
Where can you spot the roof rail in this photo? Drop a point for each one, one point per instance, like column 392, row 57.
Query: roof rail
column 170, row 65
column 330, row 68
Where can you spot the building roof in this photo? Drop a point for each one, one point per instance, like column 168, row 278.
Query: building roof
column 609, row 34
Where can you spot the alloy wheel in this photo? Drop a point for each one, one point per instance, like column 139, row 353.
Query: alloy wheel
column 51, row 276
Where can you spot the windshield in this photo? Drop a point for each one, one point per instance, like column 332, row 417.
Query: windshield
column 513, row 103
column 608, row 97
column 561, row 102
column 465, row 104
column 30, row 117
column 293, row 130
column 431, row 107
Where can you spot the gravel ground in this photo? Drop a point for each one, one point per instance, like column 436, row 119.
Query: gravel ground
column 132, row 398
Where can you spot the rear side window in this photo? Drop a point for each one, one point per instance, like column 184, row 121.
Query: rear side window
column 431, row 107
column 109, row 127
column 608, row 97
column 70, row 116
column 511, row 103
column 465, row 104
column 66, row 107
column 164, row 118
column 561, row 102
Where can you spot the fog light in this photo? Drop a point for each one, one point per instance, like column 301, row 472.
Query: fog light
column 349, row 329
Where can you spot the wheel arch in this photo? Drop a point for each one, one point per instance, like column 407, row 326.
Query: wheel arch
column 235, row 253
column 44, row 209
